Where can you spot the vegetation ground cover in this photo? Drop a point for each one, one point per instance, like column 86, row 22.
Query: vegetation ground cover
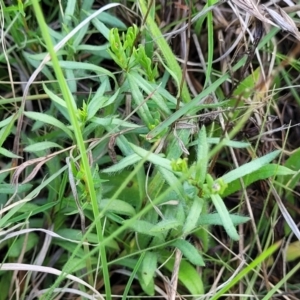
column 149, row 149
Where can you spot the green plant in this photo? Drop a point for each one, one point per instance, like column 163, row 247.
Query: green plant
column 129, row 162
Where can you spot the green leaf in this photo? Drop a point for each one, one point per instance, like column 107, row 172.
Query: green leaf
column 77, row 40
column 170, row 71
column 148, row 289
column 6, row 121
column 101, row 27
column 42, row 146
column 165, row 225
column 16, row 248
column 75, row 65
column 54, row 97
column 293, row 162
column 5, row 219
column 68, row 246
column 164, row 168
column 117, row 206
column 215, row 219
column 48, row 120
column 35, row 60
column 5, row 282
column 151, row 157
column 189, row 276
column 225, row 217
column 202, row 157
column 130, row 194
column 7, row 125
column 98, row 50
column 31, row 209
column 263, row 173
column 190, row 252
column 148, row 267
column 225, row 142
column 111, row 20
column 76, row 235
column 99, row 102
column 114, row 121
column 6, row 188
column 143, row 227
column 250, row 167
column 7, row 153
column 151, row 89
column 193, row 215
column 99, row 99
column 59, row 103
column 69, row 12
column 138, row 98
column 229, row 143
column 173, row 182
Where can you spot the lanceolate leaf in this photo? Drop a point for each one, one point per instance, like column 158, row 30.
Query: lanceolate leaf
column 41, row 146
column 250, row 167
column 151, row 90
column 173, row 182
column 189, row 276
column 165, row 225
column 225, row 217
column 139, row 101
column 17, row 247
column 190, row 252
column 118, row 206
column 153, row 158
column 44, row 118
column 148, row 267
column 202, row 156
column 124, row 163
column 263, row 173
column 215, row 219
column 193, row 216
column 8, row 153
column 6, row 188
column 143, row 227
column 225, row 141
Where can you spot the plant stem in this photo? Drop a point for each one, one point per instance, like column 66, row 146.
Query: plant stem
column 79, row 139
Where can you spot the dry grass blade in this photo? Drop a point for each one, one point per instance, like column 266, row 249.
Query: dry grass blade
column 40, row 161
column 289, row 220
column 42, row 254
column 48, row 270
column 48, row 232
column 175, row 275
column 268, row 15
column 284, row 21
column 67, row 290
column 180, row 143
column 35, row 170
column 253, row 9
column 11, row 206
